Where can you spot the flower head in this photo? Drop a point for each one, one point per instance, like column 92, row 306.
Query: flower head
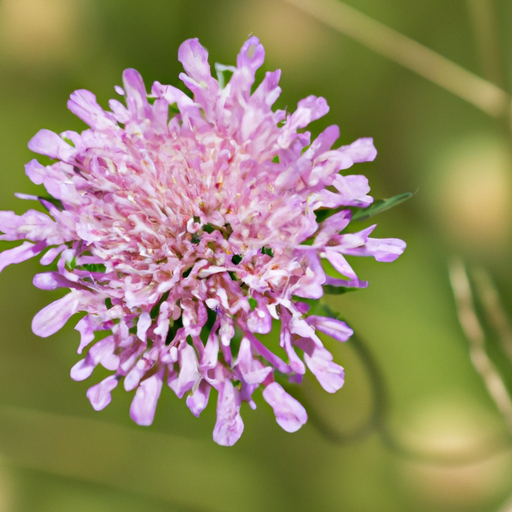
column 184, row 228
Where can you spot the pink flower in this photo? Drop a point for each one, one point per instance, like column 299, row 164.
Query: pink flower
column 186, row 228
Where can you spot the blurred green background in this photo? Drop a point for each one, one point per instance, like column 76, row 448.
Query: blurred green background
column 57, row 454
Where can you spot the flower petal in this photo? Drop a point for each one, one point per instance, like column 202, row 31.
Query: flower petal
column 21, row 253
column 335, row 328
column 194, row 59
column 290, row 414
column 100, row 394
column 330, row 375
column 339, row 262
column 382, row 249
column 252, row 370
column 53, row 317
column 229, row 425
column 188, row 374
column 143, row 325
column 48, row 143
column 136, row 96
column 84, row 105
column 198, row 400
column 143, row 407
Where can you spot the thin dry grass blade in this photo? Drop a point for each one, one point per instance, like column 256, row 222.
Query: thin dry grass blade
column 494, row 309
column 474, row 333
column 412, row 55
column 483, row 18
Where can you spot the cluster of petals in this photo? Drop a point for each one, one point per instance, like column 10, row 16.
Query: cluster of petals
column 185, row 227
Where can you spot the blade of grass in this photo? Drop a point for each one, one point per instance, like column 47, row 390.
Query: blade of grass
column 378, row 419
column 507, row 506
column 409, row 53
column 494, row 310
column 381, row 205
column 483, row 19
column 475, row 335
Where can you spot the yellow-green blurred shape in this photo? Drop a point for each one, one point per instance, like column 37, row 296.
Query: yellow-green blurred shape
column 469, row 439
column 39, row 32
column 471, row 192
column 7, row 489
column 174, row 469
column 291, row 37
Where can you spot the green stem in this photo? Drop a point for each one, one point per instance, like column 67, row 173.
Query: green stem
column 379, row 401
column 377, row 421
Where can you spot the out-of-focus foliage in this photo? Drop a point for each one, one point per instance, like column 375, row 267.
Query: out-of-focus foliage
column 57, row 454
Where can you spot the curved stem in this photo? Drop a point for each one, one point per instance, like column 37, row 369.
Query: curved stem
column 494, row 310
column 377, row 420
column 378, row 391
column 474, row 333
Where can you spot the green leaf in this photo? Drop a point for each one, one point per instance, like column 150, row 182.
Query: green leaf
column 322, row 213
column 228, row 231
column 327, row 311
column 268, row 251
column 71, row 265
column 381, row 205
column 208, row 326
column 253, row 303
column 236, row 259
column 95, row 267
column 69, row 141
column 338, row 290
column 155, row 310
column 174, row 325
column 209, row 228
column 49, row 199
